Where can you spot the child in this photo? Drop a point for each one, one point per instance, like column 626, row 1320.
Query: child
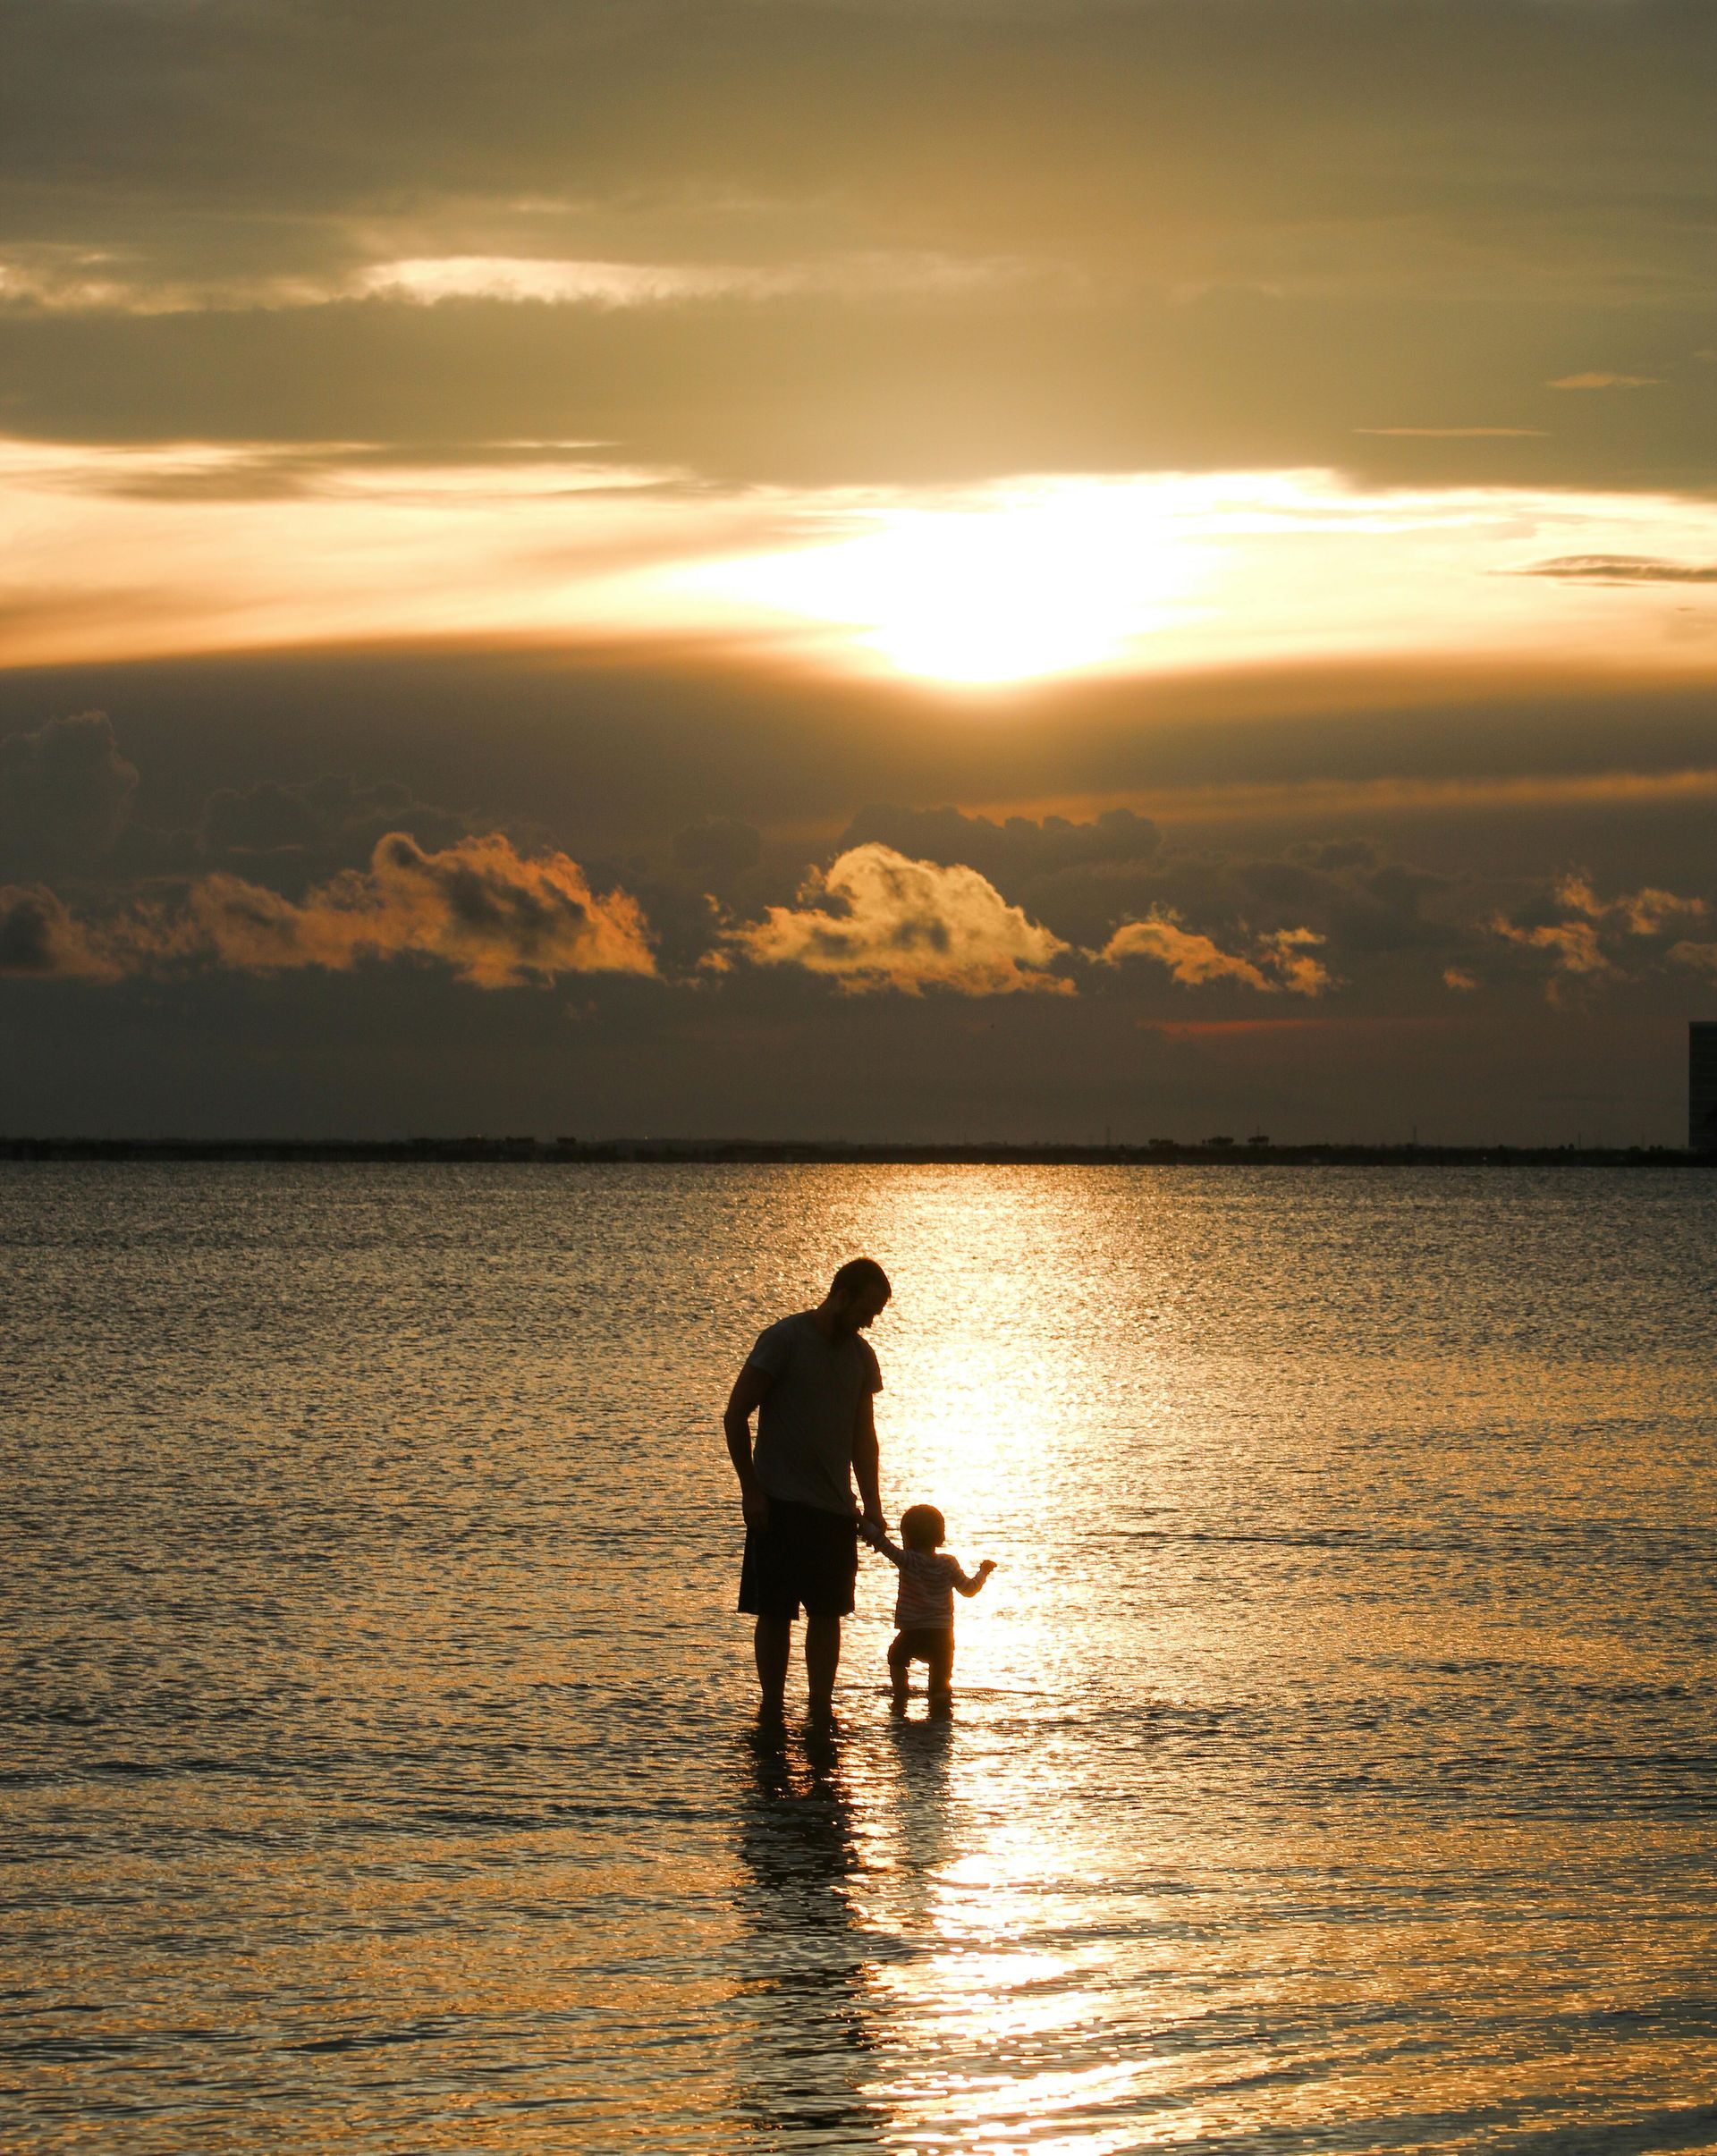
column 924, row 1609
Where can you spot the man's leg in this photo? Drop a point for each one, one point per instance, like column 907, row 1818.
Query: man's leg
column 773, row 1642
column 822, row 1660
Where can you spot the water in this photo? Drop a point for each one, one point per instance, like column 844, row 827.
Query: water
column 1331, row 1765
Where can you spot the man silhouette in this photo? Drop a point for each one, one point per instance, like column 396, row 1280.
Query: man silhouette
column 810, row 1380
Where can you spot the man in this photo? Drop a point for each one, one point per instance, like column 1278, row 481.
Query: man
column 810, row 1378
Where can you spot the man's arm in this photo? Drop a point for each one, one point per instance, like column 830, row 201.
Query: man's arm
column 866, row 1462
column 742, row 1403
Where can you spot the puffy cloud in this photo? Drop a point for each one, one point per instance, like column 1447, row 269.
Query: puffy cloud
column 497, row 917
column 1648, row 912
column 1703, row 956
column 876, row 919
column 1591, row 947
column 39, row 939
column 1289, row 950
column 64, row 788
column 1283, row 957
column 1458, row 978
column 1574, row 945
column 1192, row 959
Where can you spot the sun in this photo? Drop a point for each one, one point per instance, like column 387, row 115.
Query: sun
column 1046, row 578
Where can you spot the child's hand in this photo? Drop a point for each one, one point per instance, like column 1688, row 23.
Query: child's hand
column 986, row 1568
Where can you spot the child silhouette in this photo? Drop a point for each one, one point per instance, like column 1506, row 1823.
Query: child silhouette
column 924, row 1606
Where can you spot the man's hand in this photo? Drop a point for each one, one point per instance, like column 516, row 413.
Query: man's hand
column 754, row 1504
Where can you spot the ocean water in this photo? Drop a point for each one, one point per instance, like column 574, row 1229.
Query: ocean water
column 1331, row 1764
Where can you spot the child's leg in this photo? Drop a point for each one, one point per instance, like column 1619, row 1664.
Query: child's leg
column 899, row 1661
column 940, row 1658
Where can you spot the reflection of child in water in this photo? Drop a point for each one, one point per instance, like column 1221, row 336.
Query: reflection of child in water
column 923, row 1608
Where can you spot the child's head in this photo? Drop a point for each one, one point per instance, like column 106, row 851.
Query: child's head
column 923, row 1527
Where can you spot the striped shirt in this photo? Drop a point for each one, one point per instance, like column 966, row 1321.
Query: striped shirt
column 924, row 1601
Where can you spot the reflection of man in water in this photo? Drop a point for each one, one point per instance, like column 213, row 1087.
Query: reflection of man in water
column 810, row 1378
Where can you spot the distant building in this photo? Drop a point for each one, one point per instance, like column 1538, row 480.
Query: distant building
column 1701, row 1086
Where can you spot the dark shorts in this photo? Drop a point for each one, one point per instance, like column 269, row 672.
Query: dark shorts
column 922, row 1642
column 803, row 1556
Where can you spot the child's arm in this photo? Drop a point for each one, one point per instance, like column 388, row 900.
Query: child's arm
column 969, row 1586
column 880, row 1543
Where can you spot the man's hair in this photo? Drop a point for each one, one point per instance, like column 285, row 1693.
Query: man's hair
column 923, row 1527
column 856, row 1275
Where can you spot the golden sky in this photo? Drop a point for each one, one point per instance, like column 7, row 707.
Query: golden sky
column 738, row 470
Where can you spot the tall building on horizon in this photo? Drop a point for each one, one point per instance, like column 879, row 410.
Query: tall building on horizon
column 1701, row 1086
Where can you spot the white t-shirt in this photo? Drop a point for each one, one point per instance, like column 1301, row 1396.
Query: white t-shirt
column 924, row 1600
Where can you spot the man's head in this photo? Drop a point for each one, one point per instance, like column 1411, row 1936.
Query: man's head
column 923, row 1527
column 857, row 1294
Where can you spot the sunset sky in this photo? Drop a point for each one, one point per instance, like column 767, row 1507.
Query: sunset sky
column 834, row 568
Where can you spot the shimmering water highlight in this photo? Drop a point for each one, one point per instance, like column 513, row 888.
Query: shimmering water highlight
column 1331, row 1765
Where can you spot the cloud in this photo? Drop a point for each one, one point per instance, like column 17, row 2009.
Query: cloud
column 498, row 918
column 1620, row 569
column 64, row 788
column 1573, row 945
column 875, row 919
column 430, row 280
column 1238, row 203
column 40, row 940
column 1283, row 958
column 1648, row 912
column 1591, row 949
column 1458, row 978
column 1603, row 381
column 1702, row 955
column 60, row 280
column 1289, row 950
column 325, row 823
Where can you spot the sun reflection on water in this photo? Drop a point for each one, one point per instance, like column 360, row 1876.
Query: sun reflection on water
column 1330, row 1764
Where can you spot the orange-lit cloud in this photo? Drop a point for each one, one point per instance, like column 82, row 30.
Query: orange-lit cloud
column 1648, row 912
column 1282, row 959
column 1573, row 945
column 498, row 918
column 874, row 919
column 1599, row 379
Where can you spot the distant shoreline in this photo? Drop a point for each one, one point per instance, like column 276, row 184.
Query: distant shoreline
column 837, row 1153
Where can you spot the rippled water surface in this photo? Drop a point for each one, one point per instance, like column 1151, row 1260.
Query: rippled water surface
column 1331, row 1763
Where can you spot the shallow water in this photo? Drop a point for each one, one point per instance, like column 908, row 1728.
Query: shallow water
column 1332, row 1764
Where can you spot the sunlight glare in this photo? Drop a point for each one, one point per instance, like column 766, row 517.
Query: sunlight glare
column 1044, row 577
